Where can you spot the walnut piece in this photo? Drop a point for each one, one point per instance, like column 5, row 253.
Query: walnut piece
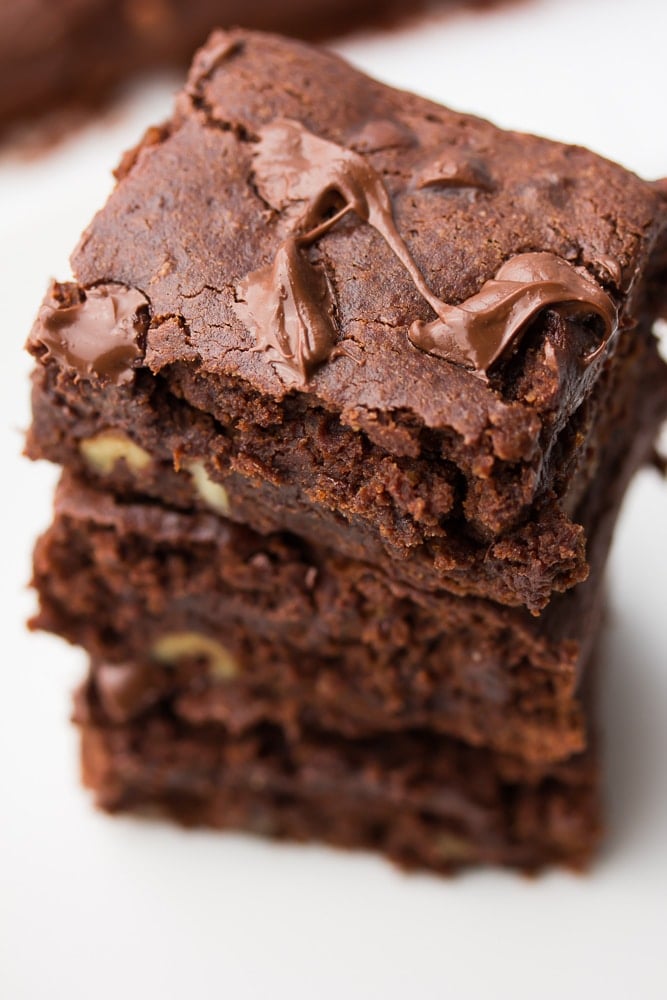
column 453, row 848
column 213, row 494
column 175, row 646
column 105, row 449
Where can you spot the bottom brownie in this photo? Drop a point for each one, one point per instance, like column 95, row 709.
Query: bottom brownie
column 424, row 800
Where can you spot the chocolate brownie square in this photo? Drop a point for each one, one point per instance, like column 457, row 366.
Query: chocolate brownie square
column 247, row 628
column 384, row 326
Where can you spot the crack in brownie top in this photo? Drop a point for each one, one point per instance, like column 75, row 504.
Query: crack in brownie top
column 289, row 303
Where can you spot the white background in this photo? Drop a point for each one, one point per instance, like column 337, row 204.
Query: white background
column 92, row 907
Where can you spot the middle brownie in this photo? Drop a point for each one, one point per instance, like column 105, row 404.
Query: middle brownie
column 250, row 628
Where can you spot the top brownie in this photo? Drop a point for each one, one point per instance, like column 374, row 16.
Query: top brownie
column 369, row 319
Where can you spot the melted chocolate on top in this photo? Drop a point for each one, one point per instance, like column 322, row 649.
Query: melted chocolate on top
column 98, row 335
column 289, row 303
column 479, row 331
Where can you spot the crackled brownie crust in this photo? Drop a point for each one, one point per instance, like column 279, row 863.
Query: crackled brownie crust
column 472, row 473
column 425, row 801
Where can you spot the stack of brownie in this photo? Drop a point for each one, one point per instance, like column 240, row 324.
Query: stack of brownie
column 347, row 389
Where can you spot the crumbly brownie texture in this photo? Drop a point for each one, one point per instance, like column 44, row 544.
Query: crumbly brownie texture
column 165, row 439
column 76, row 52
column 247, row 627
column 359, row 432
column 424, row 800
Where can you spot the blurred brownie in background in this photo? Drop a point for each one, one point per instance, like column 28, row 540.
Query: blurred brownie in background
column 74, row 53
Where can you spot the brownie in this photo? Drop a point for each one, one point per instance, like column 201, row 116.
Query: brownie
column 77, row 52
column 348, row 389
column 424, row 800
column 267, row 628
column 462, row 473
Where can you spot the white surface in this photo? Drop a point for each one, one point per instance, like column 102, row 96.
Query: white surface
column 101, row 908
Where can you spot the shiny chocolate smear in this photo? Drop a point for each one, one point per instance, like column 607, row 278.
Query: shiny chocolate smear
column 289, row 305
column 97, row 336
column 478, row 332
column 283, row 302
